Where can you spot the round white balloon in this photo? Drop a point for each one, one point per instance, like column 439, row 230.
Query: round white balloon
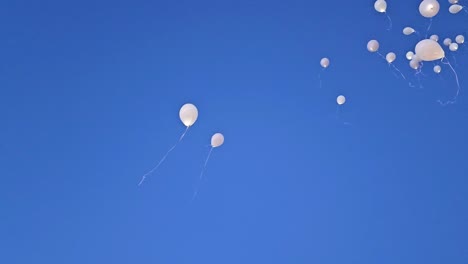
column 217, row 140
column 434, row 37
column 324, row 62
column 341, row 99
column 437, row 69
column 188, row 114
column 380, row 6
column 409, row 55
column 460, row 39
column 373, row 45
column 447, row 41
column 390, row 57
column 429, row 8
column 453, row 46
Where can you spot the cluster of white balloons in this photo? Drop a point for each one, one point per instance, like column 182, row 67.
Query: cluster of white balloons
column 425, row 50
column 188, row 115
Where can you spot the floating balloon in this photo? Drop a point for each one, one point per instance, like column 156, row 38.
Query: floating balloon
column 429, row 50
column 434, row 37
column 373, row 45
column 447, row 41
column 453, row 1
column 324, row 62
column 340, row 99
column 416, row 58
column 390, row 57
column 188, row 114
column 380, row 6
column 217, row 140
column 414, row 64
column 460, row 39
column 453, row 46
column 437, row 69
column 409, row 55
column 429, row 8
column 408, row 31
column 453, row 9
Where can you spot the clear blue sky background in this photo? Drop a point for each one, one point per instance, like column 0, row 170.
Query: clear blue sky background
column 89, row 101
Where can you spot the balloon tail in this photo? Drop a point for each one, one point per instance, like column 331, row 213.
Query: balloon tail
column 390, row 23
column 195, row 193
column 382, row 56
column 164, row 157
column 320, row 78
column 398, row 70
column 454, row 99
column 429, row 27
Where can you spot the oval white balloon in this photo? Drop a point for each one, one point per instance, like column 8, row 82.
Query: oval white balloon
column 373, row 45
column 453, row 46
column 447, row 41
column 341, row 99
column 408, row 31
column 437, row 69
column 390, row 57
column 429, row 50
column 429, row 8
column 188, row 114
column 409, row 55
column 324, row 62
column 460, row 39
column 217, row 140
column 380, row 6
column 453, row 9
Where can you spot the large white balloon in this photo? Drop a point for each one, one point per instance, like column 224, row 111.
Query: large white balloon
column 217, row 140
column 373, row 45
column 409, row 55
column 434, row 37
column 188, row 114
column 429, row 8
column 380, row 6
column 341, row 99
column 324, row 62
column 453, row 46
column 408, row 31
column 390, row 57
column 453, row 9
column 447, row 41
column 429, row 50
column 437, row 69
column 460, row 39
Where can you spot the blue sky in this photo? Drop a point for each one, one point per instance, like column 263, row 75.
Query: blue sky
column 90, row 94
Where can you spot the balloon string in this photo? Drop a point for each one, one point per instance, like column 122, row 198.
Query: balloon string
column 389, row 21
column 201, row 174
column 456, row 79
column 164, row 157
column 395, row 68
column 428, row 27
column 382, row 56
column 320, row 77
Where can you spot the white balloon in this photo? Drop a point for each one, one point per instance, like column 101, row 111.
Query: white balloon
column 324, row 62
column 429, row 50
column 390, row 57
column 453, row 9
column 447, row 41
column 380, row 6
column 414, row 64
column 217, row 140
column 429, row 8
column 408, row 31
column 460, row 39
column 373, row 45
column 434, row 37
column 188, row 114
column 453, row 1
column 416, row 58
column 453, row 46
column 437, row 69
column 409, row 55
column 340, row 99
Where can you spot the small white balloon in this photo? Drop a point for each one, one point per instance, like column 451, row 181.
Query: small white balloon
column 408, row 31
column 414, row 64
column 390, row 57
column 380, row 6
column 409, row 55
column 373, row 45
column 460, row 39
column 453, row 46
column 429, row 8
column 188, row 114
column 453, row 1
column 453, row 9
column 447, row 41
column 434, row 37
column 416, row 58
column 340, row 99
column 437, row 69
column 324, row 62
column 217, row 140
